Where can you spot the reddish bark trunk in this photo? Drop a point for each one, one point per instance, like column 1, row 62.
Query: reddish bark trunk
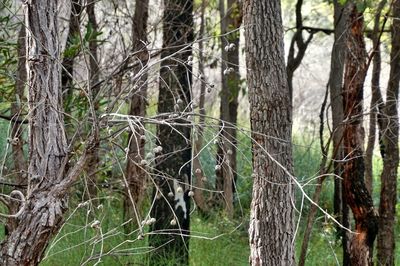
column 355, row 192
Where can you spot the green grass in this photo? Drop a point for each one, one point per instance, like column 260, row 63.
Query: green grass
column 215, row 240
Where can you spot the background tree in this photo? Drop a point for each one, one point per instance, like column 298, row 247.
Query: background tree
column 231, row 19
column 135, row 173
column 390, row 139
column 173, row 170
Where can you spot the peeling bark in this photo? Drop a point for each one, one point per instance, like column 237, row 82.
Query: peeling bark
column 355, row 192
column 42, row 215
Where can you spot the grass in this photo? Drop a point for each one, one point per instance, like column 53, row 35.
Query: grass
column 215, row 240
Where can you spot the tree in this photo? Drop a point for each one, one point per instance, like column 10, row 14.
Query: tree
column 390, row 140
column 355, row 191
column 339, row 50
column 135, row 173
column 271, row 229
column 49, row 176
column 71, row 51
column 171, row 210
column 230, row 77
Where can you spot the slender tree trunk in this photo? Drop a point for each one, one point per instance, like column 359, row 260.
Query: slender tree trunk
column 271, row 229
column 230, row 77
column 387, row 206
column 199, row 173
column 355, row 191
column 376, row 99
column 341, row 210
column 170, row 232
column 68, row 60
column 318, row 189
column 294, row 59
column 93, row 158
column 135, row 173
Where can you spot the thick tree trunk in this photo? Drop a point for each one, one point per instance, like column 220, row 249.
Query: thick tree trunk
column 271, row 229
column 173, row 168
column 135, row 173
column 355, row 191
column 43, row 211
column 230, row 81
column 387, row 206
column 341, row 210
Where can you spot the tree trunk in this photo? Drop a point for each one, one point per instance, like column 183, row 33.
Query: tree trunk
column 93, row 157
column 339, row 49
column 355, row 191
column 376, row 99
column 44, row 207
column 135, row 173
column 271, row 229
column 199, row 173
column 68, row 60
column 230, row 77
column 387, row 206
column 170, row 232
column 294, row 59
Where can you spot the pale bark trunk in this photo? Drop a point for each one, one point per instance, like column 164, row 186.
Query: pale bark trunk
column 271, row 229
column 173, row 167
column 135, row 173
column 387, row 206
column 199, row 173
column 42, row 214
column 355, row 191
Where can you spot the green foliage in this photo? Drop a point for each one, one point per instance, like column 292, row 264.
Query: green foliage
column 8, row 58
column 76, row 42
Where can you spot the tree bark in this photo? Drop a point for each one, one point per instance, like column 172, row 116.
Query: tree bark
column 94, row 71
column 199, row 173
column 355, row 191
column 387, row 206
column 173, row 168
column 43, row 211
column 339, row 50
column 68, row 60
column 230, row 81
column 376, row 99
column 271, row 229
column 135, row 173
